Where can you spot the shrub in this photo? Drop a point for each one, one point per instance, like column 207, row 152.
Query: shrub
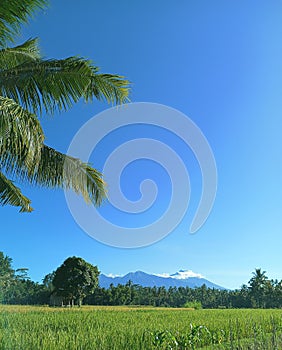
column 196, row 305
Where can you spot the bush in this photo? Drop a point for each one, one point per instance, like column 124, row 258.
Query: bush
column 196, row 305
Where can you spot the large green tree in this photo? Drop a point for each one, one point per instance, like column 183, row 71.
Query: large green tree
column 31, row 86
column 75, row 279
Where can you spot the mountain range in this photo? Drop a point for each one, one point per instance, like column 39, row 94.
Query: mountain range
column 182, row 278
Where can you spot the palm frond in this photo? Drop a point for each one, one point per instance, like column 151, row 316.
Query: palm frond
column 13, row 13
column 24, row 53
column 21, row 137
column 57, row 84
column 108, row 87
column 30, row 86
column 57, row 170
column 11, row 194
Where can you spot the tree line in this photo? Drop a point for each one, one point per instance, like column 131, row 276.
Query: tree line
column 259, row 293
column 76, row 282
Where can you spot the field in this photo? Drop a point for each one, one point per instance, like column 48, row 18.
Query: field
column 30, row 328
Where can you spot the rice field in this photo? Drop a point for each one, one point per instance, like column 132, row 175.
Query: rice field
column 30, row 328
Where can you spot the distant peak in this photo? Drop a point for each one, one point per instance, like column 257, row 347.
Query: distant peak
column 182, row 278
column 180, row 275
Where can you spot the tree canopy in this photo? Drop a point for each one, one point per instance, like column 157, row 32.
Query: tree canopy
column 75, row 279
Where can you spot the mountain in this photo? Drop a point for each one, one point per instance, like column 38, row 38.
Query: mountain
column 181, row 278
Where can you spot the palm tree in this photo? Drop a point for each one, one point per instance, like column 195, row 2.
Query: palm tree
column 257, row 287
column 31, row 86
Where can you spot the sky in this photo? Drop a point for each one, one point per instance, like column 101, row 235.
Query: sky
column 217, row 62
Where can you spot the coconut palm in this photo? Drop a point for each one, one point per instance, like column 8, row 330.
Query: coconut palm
column 31, row 86
column 258, row 286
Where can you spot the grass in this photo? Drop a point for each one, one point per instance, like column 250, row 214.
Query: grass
column 109, row 328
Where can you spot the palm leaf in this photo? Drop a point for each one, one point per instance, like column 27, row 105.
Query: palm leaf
column 108, row 87
column 10, row 194
column 57, row 170
column 21, row 137
column 24, row 53
column 13, row 13
column 30, row 86
column 57, row 84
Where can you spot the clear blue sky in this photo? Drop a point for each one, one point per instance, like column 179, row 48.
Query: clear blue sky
column 220, row 63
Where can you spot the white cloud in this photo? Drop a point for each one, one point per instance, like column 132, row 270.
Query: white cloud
column 181, row 275
column 111, row 275
column 164, row 275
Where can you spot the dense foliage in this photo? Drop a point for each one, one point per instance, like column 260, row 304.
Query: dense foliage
column 76, row 279
column 17, row 288
column 270, row 296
